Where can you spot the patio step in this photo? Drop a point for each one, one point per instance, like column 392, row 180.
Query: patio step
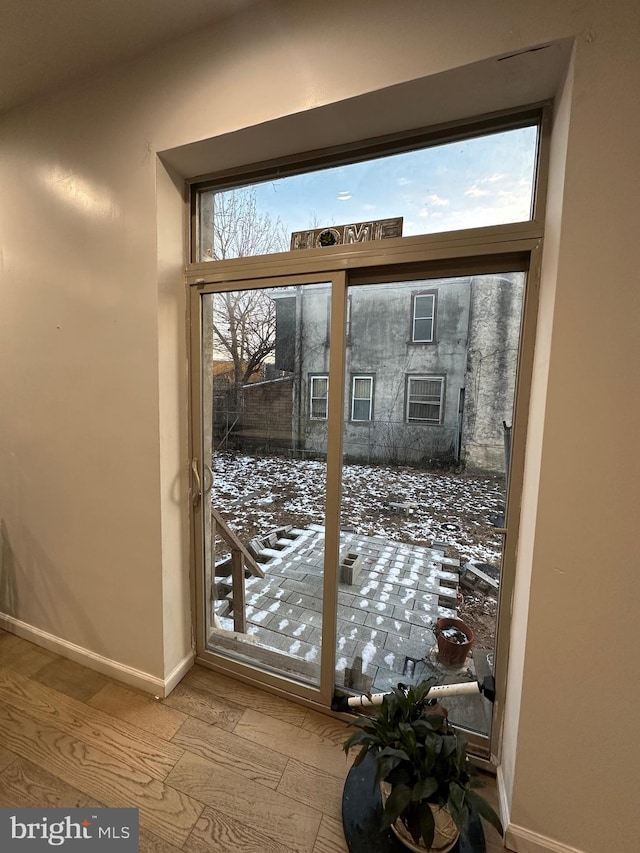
column 224, row 598
column 223, row 570
column 265, row 547
column 474, row 579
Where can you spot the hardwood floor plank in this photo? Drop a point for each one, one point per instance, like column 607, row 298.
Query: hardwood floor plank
column 205, row 706
column 231, row 769
column 26, row 785
column 71, row 678
column 150, row 843
column 301, row 744
column 313, row 787
column 489, row 792
column 21, row 656
column 330, row 837
column 216, row 831
column 6, row 758
column 256, row 762
column 494, row 845
column 119, row 739
column 245, row 695
column 327, row 727
column 139, row 710
column 255, row 806
column 169, row 813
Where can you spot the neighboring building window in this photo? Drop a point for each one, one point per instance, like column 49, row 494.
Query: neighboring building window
column 362, row 398
column 425, row 399
column 424, row 315
column 319, row 397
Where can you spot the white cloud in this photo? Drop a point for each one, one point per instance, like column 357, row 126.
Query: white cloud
column 438, row 201
column 402, row 182
column 475, row 191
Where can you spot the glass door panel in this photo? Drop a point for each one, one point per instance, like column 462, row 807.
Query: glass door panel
column 265, row 403
column 428, row 405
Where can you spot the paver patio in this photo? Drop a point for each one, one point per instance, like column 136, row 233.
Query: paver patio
column 385, row 616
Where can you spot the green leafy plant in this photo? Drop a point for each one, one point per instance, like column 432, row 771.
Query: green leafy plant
column 424, row 761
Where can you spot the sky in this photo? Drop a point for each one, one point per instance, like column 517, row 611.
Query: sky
column 487, row 180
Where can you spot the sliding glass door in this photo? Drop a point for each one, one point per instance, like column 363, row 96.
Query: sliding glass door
column 431, row 367
column 351, row 476
column 265, row 358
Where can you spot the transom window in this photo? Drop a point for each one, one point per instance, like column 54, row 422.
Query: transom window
column 319, row 397
column 473, row 181
column 425, row 399
column 362, row 398
column 424, row 309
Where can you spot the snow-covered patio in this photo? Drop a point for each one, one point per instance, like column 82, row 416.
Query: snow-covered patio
column 385, row 616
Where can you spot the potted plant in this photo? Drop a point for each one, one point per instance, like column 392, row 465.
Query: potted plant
column 423, row 764
column 454, row 638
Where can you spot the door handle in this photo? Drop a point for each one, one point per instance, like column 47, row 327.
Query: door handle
column 197, row 492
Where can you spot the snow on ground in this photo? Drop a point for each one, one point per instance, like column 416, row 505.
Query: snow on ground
column 256, row 494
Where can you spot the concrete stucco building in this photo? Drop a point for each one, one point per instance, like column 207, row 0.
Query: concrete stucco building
column 93, row 437
column 431, row 369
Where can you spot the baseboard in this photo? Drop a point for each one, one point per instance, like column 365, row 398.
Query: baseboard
column 522, row 840
column 114, row 669
column 517, row 838
column 178, row 673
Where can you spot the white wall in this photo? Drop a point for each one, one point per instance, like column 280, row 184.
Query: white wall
column 93, row 453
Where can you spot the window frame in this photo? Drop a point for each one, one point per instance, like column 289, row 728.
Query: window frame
column 487, row 249
column 367, row 149
column 430, row 378
column 371, row 378
column 414, row 297
column 312, row 379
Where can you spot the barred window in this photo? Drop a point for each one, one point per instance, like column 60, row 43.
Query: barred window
column 319, row 397
column 425, row 399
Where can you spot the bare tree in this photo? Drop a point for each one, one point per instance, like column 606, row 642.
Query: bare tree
column 233, row 227
column 244, row 323
column 244, row 328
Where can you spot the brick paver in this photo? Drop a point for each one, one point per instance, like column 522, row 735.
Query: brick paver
column 385, row 617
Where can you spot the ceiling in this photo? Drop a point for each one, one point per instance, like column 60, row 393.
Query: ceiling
column 45, row 44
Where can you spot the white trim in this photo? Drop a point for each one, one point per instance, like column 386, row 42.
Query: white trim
column 178, row 673
column 369, row 399
column 324, row 377
column 427, row 295
column 504, row 806
column 517, row 838
column 522, row 840
column 99, row 663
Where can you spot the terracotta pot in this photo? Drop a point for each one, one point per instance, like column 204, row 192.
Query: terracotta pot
column 445, row 836
column 449, row 653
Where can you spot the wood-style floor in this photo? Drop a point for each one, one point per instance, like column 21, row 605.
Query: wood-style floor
column 217, row 766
